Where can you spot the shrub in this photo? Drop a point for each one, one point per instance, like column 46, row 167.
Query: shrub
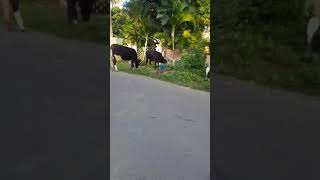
column 193, row 61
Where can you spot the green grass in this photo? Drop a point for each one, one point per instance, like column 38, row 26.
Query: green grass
column 182, row 78
column 272, row 60
column 49, row 17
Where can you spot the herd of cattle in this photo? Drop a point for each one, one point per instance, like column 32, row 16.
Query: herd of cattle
column 127, row 53
column 130, row 54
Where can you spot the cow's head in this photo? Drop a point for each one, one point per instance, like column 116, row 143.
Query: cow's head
column 137, row 63
column 163, row 61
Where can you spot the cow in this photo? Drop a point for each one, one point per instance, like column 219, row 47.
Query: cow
column 172, row 55
column 152, row 55
column 312, row 10
column 125, row 53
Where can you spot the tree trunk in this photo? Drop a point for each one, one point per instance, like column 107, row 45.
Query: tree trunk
column 172, row 36
column 145, row 48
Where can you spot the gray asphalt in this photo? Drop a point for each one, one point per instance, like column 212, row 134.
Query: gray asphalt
column 264, row 134
column 158, row 131
column 53, row 108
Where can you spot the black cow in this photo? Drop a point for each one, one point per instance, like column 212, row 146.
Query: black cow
column 155, row 56
column 125, row 53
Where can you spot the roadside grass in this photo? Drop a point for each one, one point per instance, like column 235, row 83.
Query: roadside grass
column 268, row 59
column 49, row 17
column 182, row 78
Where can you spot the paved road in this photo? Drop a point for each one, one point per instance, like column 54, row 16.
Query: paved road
column 159, row 131
column 53, row 108
column 264, row 134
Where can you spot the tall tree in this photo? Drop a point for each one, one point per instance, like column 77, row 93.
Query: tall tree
column 172, row 13
column 113, row 2
column 119, row 20
column 142, row 11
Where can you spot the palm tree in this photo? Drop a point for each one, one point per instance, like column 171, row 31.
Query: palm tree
column 172, row 13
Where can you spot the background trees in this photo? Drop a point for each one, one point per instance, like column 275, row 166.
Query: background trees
column 173, row 13
column 263, row 41
column 113, row 2
column 177, row 23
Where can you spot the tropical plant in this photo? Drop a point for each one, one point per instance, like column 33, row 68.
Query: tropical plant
column 193, row 61
column 142, row 13
column 133, row 34
column 113, row 2
column 203, row 7
column 119, row 19
column 163, row 37
column 173, row 13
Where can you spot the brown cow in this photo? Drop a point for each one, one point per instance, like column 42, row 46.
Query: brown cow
column 172, row 55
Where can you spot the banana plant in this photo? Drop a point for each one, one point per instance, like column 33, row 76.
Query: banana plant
column 173, row 13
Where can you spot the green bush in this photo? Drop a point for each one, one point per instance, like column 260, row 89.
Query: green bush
column 193, row 61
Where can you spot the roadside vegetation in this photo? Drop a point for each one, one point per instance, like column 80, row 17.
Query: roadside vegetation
column 49, row 17
column 185, row 72
column 178, row 24
column 263, row 42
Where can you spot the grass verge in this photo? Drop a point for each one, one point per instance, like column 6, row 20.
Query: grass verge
column 272, row 60
column 182, row 78
column 49, row 17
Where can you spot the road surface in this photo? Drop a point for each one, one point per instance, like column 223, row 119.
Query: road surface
column 159, row 131
column 264, row 134
column 53, row 108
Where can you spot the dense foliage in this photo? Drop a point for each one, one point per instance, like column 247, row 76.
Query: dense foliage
column 193, row 61
column 177, row 23
column 264, row 41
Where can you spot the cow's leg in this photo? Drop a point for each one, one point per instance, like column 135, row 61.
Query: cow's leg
column 114, row 61
column 16, row 13
column 207, row 72
column 132, row 64
column 312, row 27
column 137, row 63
